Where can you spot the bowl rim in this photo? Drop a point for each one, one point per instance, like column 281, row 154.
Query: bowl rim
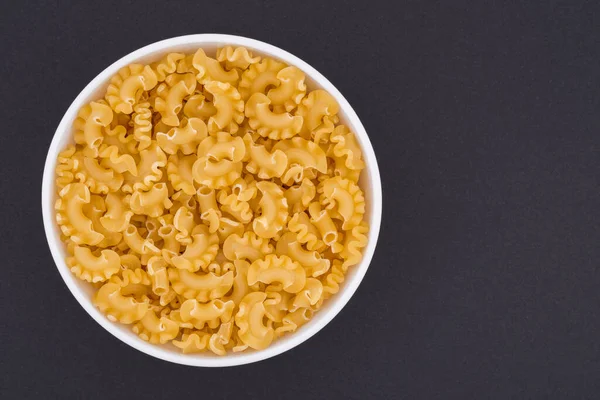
column 278, row 347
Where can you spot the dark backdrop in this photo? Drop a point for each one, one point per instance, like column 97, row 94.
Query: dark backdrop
column 484, row 118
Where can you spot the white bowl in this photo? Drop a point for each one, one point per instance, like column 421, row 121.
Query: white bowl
column 370, row 183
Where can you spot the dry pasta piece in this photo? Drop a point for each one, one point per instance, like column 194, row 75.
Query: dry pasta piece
column 236, row 57
column 202, row 287
column 89, row 267
column 230, row 204
column 228, row 227
column 249, row 246
column 200, row 253
column 303, row 154
column 210, row 69
column 157, row 271
column 96, row 177
column 142, row 124
column 306, row 232
column 167, row 65
column 149, row 170
column 219, row 340
column 322, row 221
column 117, row 306
column 354, row 241
column 134, row 283
column 346, row 148
column 345, row 199
column 273, row 210
column 111, row 158
column 261, row 162
column 229, row 107
column 179, row 171
column 249, row 319
column 315, row 107
column 195, row 342
column 95, row 209
column 310, row 295
column 212, row 313
column 71, row 218
column 220, row 161
column 127, row 86
column 153, row 329
column 268, row 123
column 312, row 261
column 240, row 285
column 198, row 106
column 90, row 122
column 118, row 213
column 65, row 167
column 280, row 269
column 152, row 202
column 170, row 95
column 300, row 196
column 294, row 320
column 258, row 77
column 291, row 89
column 184, row 138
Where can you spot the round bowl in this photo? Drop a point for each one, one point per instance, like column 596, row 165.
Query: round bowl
column 370, row 182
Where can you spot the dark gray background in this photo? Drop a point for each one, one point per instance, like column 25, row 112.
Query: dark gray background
column 484, row 118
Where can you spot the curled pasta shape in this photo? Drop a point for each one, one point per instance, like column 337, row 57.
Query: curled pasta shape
column 249, row 246
column 179, row 172
column 303, row 153
column 170, row 95
column 149, row 170
column 153, row 329
column 229, row 105
column 346, row 148
column 184, row 223
column 112, row 158
column 309, row 295
column 200, row 253
column 236, row 57
column 210, row 69
column 144, row 247
column 332, row 280
column 244, row 188
column 219, row 340
column 152, row 202
column 202, row 287
column 258, row 77
column 95, row 176
column 197, row 106
column 294, row 320
column 184, row 138
column 94, row 210
column 117, row 306
column 228, row 227
column 157, row 271
column 291, row 89
column 268, row 123
column 142, row 125
column 118, row 214
column 130, row 261
column 317, row 105
column 322, row 220
column 223, row 146
column 240, row 281
column 354, row 241
column 280, row 269
column 71, row 218
column 212, row 313
column 249, row 319
column 85, row 265
column 90, row 122
column 216, row 174
column 274, row 210
column 126, row 88
column 134, row 283
column 306, row 232
column 230, row 204
column 312, row 261
column 300, row 196
column 345, row 198
column 195, row 342
column 65, row 167
column 261, row 162
column 167, row 65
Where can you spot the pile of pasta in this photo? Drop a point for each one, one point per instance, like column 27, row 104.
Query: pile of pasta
column 212, row 202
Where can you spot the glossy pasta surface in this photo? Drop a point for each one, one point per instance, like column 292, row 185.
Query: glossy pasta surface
column 212, row 200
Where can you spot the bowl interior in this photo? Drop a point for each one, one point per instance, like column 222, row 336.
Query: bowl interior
column 369, row 182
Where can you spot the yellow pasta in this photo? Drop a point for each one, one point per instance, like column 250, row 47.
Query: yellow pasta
column 212, row 200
